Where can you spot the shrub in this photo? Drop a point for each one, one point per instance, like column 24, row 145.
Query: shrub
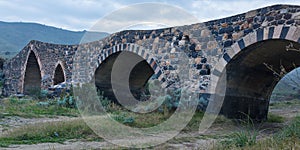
column 245, row 137
column 241, row 139
column 128, row 120
column 16, row 101
column 67, row 101
column 43, row 94
column 38, row 94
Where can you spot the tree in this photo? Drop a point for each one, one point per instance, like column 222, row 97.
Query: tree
column 288, row 81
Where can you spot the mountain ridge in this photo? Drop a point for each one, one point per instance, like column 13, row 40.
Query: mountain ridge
column 15, row 35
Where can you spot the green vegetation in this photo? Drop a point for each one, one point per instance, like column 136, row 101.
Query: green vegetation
column 151, row 119
column 272, row 118
column 247, row 137
column 29, row 108
column 290, row 131
column 49, row 132
column 138, row 120
column 240, row 139
column 286, row 138
column 285, row 104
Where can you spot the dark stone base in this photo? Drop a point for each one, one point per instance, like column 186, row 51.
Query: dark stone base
column 244, row 107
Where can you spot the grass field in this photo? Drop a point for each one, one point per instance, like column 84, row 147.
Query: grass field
column 29, row 108
column 228, row 134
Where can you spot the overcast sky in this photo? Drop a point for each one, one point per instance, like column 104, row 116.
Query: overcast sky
column 84, row 14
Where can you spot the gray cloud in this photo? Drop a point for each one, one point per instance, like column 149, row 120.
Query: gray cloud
column 70, row 14
column 168, row 15
column 207, row 10
column 83, row 14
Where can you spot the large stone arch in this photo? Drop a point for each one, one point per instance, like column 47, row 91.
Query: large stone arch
column 140, row 74
column 59, row 74
column 249, row 79
column 32, row 75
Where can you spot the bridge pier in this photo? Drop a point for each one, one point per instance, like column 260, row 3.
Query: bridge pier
column 239, row 107
column 250, row 81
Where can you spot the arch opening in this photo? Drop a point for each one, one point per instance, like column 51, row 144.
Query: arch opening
column 58, row 75
column 252, row 75
column 138, row 77
column 288, row 88
column 32, row 79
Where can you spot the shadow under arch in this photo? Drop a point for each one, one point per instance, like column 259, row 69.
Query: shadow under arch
column 138, row 78
column 59, row 75
column 32, row 76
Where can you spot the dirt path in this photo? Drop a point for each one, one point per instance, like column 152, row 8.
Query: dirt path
column 287, row 112
column 80, row 144
column 10, row 123
column 76, row 145
column 68, row 145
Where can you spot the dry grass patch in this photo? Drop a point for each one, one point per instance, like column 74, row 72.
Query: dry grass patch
column 49, row 132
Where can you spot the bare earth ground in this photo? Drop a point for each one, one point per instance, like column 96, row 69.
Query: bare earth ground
column 191, row 139
column 182, row 141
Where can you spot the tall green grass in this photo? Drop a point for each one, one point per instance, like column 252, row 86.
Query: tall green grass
column 272, row 118
column 29, row 108
column 287, row 138
column 48, row 132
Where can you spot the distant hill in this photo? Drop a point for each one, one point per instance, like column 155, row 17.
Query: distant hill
column 288, row 87
column 15, row 35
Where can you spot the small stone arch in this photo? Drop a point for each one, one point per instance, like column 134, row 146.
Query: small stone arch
column 59, row 74
column 32, row 74
column 258, row 109
column 140, row 51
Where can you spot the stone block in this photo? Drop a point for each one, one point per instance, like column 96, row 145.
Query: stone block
column 251, row 14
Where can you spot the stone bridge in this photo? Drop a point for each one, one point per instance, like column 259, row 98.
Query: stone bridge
column 255, row 48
